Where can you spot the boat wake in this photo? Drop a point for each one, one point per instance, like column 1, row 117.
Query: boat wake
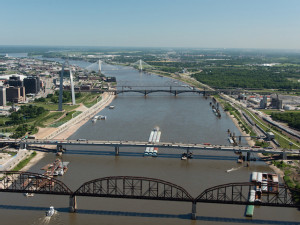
column 46, row 219
column 233, row 169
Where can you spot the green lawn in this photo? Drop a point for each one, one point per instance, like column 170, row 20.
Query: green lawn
column 54, row 106
column 65, row 119
column 89, row 99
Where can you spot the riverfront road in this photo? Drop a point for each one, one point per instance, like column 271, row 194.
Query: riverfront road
column 141, row 144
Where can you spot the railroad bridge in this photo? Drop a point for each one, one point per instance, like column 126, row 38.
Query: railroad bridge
column 131, row 187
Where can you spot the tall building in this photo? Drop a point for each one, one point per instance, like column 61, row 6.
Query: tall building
column 2, row 96
column 13, row 94
column 15, row 81
column 32, row 85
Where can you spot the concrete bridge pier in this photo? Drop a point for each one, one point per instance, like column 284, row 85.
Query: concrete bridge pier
column 23, row 145
column 175, row 93
column 117, row 150
column 72, row 204
column 284, row 156
column 145, row 93
column 248, row 156
column 194, row 216
column 59, row 148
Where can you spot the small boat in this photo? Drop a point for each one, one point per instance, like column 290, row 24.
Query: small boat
column 240, row 159
column 111, row 107
column 28, row 194
column 50, row 212
column 190, row 155
column 184, row 156
column 94, row 120
column 102, row 117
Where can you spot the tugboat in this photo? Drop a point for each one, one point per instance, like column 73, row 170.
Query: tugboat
column 28, row 194
column 50, row 212
column 184, row 156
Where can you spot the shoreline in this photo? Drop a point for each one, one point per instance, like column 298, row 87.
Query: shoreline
column 70, row 128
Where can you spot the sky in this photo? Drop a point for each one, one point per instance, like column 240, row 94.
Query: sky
column 271, row 24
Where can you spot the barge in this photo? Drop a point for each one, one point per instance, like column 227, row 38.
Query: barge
column 153, row 138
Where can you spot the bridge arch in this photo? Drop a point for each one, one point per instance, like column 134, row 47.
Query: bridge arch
column 146, row 92
column 26, row 182
column 238, row 193
column 134, row 188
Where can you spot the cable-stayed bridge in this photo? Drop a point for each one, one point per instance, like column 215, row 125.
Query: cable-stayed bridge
column 141, row 65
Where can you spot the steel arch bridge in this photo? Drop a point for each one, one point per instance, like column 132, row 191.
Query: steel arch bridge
column 278, row 195
column 174, row 92
column 131, row 187
column 134, row 188
column 25, row 182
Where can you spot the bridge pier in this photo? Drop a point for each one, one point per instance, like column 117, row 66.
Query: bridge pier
column 284, row 156
column 72, row 204
column 145, row 93
column 117, row 150
column 23, row 145
column 175, row 93
column 194, row 216
column 59, row 148
column 248, row 156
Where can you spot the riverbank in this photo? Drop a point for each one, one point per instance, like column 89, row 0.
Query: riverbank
column 66, row 130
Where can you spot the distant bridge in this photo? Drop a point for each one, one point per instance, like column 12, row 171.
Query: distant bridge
column 175, row 90
column 148, row 189
column 142, row 144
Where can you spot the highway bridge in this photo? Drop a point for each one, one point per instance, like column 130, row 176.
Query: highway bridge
column 175, row 90
column 130, row 187
column 142, row 144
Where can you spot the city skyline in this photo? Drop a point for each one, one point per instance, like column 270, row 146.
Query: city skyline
column 201, row 24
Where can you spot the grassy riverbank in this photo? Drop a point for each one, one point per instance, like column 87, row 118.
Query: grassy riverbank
column 24, row 162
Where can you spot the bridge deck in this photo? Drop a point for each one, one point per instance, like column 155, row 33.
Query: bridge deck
column 143, row 144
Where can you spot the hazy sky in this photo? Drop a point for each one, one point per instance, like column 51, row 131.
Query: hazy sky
column 152, row 23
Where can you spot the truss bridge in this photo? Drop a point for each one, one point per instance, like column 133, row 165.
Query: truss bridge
column 131, row 187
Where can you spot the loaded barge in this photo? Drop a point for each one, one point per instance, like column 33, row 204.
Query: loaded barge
column 264, row 183
column 153, row 138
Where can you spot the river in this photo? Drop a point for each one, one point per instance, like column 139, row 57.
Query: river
column 187, row 118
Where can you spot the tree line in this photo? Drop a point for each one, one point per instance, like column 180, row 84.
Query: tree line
column 292, row 118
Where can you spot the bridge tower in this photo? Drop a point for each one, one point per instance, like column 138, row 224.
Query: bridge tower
column 100, row 65
column 140, row 65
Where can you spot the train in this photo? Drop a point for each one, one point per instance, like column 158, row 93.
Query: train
column 289, row 131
